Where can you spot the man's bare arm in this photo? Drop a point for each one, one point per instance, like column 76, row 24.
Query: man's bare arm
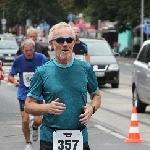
column 96, row 100
column 89, row 110
column 32, row 107
column 87, row 57
column 12, row 79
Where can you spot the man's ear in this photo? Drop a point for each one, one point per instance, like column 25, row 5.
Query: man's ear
column 51, row 44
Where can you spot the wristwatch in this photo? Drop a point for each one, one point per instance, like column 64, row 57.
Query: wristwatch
column 93, row 108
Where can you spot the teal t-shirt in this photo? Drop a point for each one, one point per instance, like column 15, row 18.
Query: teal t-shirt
column 70, row 84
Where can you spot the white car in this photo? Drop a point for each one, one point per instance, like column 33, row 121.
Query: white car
column 141, row 78
column 8, row 49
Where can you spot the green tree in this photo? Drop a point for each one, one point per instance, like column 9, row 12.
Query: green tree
column 18, row 11
column 126, row 12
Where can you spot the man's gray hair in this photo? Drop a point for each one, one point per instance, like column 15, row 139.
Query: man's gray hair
column 31, row 29
column 58, row 26
column 28, row 42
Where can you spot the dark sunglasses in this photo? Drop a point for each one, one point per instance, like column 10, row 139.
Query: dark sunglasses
column 61, row 40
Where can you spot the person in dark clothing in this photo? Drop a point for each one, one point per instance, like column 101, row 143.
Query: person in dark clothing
column 32, row 33
column 80, row 48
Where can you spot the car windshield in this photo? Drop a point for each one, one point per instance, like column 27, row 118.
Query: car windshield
column 7, row 38
column 8, row 45
column 98, row 48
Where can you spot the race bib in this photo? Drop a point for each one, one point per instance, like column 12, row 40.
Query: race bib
column 80, row 57
column 27, row 76
column 67, row 140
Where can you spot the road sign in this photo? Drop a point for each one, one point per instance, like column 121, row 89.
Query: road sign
column 147, row 29
column 45, row 26
column 70, row 17
column 3, row 21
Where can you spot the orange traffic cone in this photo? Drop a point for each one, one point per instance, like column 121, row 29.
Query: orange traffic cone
column 134, row 135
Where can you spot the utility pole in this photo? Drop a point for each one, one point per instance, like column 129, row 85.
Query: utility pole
column 142, row 20
column 3, row 13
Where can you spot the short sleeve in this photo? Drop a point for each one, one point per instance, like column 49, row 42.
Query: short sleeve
column 85, row 47
column 44, row 59
column 14, row 69
column 92, row 85
column 35, row 89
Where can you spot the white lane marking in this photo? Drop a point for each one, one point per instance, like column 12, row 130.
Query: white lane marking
column 110, row 132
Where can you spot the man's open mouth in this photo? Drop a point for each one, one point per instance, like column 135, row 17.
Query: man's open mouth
column 64, row 50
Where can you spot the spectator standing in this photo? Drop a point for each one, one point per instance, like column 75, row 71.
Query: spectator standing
column 80, row 48
column 136, row 43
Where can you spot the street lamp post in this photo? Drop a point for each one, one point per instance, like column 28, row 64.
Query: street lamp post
column 3, row 21
column 142, row 20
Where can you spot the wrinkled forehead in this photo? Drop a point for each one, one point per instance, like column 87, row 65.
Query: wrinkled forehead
column 76, row 29
column 28, row 46
column 63, row 32
column 32, row 33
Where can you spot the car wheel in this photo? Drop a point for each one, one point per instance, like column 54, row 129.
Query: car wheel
column 115, row 85
column 137, row 102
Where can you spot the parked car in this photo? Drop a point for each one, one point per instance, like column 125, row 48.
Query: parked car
column 8, row 49
column 141, row 78
column 8, row 38
column 103, row 62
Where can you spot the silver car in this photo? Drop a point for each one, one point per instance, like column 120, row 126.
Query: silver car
column 8, row 49
column 141, row 79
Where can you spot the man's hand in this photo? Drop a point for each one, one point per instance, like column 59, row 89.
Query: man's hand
column 55, row 107
column 88, row 111
column 16, row 83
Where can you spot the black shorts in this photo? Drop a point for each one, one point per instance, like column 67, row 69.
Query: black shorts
column 49, row 146
column 22, row 103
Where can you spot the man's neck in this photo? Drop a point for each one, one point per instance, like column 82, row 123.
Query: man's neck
column 63, row 62
column 77, row 42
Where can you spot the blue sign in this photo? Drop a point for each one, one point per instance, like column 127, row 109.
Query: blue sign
column 146, row 20
column 70, row 17
column 45, row 26
column 147, row 29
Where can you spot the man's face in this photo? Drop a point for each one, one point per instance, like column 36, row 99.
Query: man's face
column 77, row 33
column 28, row 51
column 32, row 35
column 63, row 51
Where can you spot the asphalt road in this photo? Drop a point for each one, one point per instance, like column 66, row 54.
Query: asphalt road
column 108, row 127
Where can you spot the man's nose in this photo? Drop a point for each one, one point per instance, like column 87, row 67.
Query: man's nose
column 65, row 43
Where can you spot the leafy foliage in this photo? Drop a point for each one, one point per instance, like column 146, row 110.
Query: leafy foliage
column 126, row 12
column 17, row 11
